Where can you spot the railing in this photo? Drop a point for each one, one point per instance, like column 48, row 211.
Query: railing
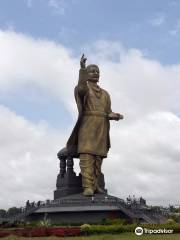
column 82, row 202
column 106, row 201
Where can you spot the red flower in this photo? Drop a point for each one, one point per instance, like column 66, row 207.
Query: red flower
column 42, row 232
column 64, row 231
column 4, row 233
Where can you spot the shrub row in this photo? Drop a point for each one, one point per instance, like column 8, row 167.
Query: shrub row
column 98, row 229
column 173, row 226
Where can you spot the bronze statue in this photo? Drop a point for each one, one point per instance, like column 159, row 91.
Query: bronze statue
column 90, row 136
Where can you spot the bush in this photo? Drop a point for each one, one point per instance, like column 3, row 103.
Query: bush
column 117, row 221
column 170, row 221
column 45, row 223
column 98, row 229
column 86, row 228
column 176, row 217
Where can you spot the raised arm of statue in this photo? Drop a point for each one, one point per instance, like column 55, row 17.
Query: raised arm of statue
column 83, row 77
column 83, row 62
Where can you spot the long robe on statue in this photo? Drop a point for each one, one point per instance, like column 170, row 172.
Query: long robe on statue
column 91, row 132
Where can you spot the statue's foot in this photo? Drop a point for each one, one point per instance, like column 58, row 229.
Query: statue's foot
column 100, row 190
column 88, row 192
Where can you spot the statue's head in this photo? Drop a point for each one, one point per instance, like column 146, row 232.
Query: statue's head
column 93, row 73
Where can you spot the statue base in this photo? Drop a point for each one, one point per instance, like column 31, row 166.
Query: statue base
column 78, row 209
column 67, row 185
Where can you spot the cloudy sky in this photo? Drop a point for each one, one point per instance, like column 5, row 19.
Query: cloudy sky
column 136, row 44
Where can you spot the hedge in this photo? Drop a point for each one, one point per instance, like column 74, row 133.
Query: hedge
column 98, row 229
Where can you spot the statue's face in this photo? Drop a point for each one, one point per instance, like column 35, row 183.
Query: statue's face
column 93, row 73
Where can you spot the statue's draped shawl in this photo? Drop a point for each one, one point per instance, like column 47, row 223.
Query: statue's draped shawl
column 72, row 143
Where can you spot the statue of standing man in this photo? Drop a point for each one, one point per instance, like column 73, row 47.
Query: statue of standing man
column 90, row 137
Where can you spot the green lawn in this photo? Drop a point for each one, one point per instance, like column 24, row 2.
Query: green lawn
column 123, row 236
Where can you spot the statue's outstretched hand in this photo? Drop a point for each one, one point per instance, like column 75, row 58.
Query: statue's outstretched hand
column 115, row 116
column 83, row 62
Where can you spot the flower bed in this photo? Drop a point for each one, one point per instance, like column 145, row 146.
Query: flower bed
column 64, row 231
column 4, row 234
column 42, row 232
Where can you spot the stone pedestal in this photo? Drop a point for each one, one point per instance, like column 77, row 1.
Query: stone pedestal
column 67, row 182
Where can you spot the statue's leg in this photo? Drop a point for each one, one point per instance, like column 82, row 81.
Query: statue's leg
column 87, row 162
column 98, row 164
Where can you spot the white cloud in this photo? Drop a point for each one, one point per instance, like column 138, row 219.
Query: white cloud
column 173, row 32
column 66, row 33
column 36, row 62
column 148, row 160
column 178, row 24
column 157, row 20
column 173, row 3
column 10, row 26
column 58, row 6
column 176, row 29
column 28, row 159
column 29, row 3
column 144, row 159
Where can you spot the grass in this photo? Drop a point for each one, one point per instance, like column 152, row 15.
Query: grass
column 122, row 236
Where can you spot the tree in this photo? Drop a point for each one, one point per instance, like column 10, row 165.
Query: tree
column 13, row 211
column 2, row 213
